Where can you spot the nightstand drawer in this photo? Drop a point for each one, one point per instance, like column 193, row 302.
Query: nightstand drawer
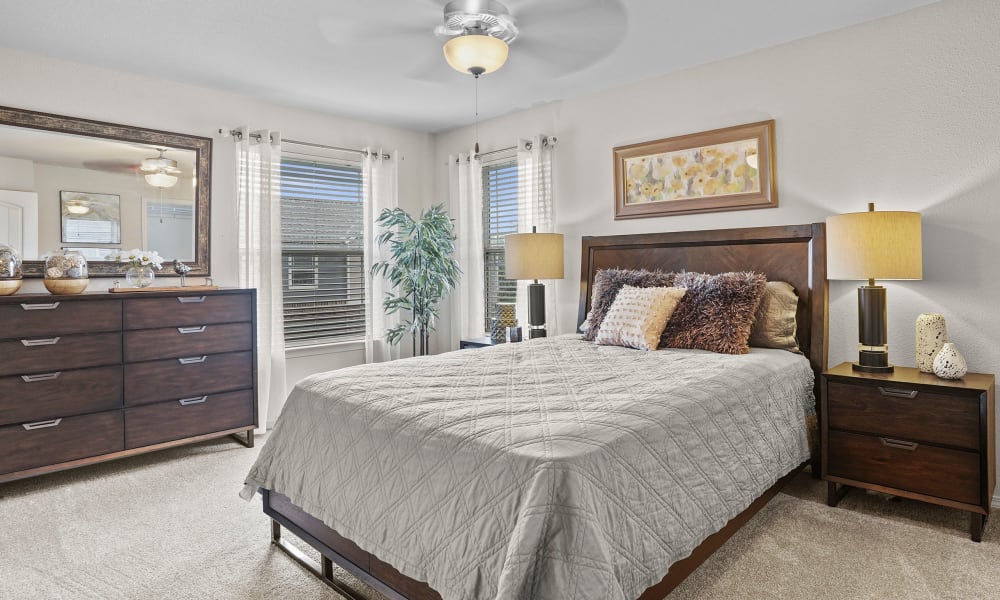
column 906, row 465
column 901, row 411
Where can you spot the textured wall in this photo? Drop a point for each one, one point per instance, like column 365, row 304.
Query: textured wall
column 903, row 112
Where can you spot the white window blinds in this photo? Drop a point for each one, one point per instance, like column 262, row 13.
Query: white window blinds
column 323, row 279
column 499, row 219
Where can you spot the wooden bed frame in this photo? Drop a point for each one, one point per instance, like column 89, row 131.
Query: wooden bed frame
column 794, row 253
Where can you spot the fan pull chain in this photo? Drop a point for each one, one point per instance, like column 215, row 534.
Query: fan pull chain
column 477, row 113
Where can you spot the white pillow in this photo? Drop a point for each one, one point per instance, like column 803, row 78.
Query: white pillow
column 637, row 317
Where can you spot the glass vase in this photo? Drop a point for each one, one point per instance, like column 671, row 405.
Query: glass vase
column 139, row 277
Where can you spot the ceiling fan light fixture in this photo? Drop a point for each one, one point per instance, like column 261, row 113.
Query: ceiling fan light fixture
column 161, row 180
column 476, row 53
column 77, row 208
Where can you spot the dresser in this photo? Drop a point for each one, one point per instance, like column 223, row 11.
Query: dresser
column 95, row 377
column 913, row 435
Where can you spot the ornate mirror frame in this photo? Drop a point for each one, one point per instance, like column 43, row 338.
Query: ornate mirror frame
column 202, row 146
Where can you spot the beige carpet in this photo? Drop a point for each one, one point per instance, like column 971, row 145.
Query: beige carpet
column 170, row 525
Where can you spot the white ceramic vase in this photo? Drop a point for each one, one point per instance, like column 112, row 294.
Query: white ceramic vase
column 949, row 363
column 932, row 333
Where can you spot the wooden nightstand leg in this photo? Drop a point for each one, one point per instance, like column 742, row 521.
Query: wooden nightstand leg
column 977, row 523
column 835, row 495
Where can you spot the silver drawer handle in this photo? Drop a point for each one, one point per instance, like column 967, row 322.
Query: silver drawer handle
column 192, row 360
column 51, row 306
column 42, row 377
column 200, row 329
column 901, row 444
column 190, row 299
column 42, row 424
column 187, row 401
column 897, row 393
column 45, row 342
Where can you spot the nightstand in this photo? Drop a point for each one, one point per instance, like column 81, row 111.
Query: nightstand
column 911, row 434
column 479, row 342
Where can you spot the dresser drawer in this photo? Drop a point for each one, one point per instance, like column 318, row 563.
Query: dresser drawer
column 50, row 353
column 174, row 378
column 176, row 419
column 189, row 341
column 60, row 440
column 896, row 410
column 186, row 309
column 26, row 398
column 59, row 317
column 913, row 466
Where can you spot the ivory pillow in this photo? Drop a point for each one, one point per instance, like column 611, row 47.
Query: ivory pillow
column 607, row 282
column 637, row 316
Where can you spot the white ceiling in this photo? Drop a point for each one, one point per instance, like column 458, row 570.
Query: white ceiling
column 379, row 60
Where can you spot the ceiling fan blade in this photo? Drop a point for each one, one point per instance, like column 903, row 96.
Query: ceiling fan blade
column 111, row 166
column 551, row 27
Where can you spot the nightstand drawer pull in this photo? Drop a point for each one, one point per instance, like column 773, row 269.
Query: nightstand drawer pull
column 195, row 400
column 897, row 393
column 45, row 342
column 51, row 306
column 42, row 424
column 190, row 299
column 185, row 330
column 192, row 360
column 901, row 444
column 42, row 377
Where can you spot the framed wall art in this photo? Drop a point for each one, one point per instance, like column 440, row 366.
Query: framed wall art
column 89, row 218
column 711, row 171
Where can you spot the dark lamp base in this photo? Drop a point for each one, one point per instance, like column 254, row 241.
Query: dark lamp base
column 872, row 368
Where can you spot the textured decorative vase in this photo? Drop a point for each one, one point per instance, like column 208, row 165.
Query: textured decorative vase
column 949, row 363
column 932, row 333
column 139, row 277
column 504, row 318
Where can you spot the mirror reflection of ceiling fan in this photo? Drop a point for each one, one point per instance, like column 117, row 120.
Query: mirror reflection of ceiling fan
column 159, row 171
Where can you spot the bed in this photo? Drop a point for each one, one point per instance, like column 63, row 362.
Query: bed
column 552, row 468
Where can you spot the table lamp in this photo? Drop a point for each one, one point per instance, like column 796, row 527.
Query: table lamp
column 534, row 256
column 873, row 245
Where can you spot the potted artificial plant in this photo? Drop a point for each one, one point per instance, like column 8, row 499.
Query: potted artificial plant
column 421, row 269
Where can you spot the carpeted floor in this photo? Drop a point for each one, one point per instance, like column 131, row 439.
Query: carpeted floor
column 170, row 525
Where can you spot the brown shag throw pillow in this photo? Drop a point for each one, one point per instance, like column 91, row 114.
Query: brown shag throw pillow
column 716, row 312
column 607, row 283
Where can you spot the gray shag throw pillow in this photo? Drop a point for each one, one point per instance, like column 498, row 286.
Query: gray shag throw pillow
column 716, row 313
column 608, row 282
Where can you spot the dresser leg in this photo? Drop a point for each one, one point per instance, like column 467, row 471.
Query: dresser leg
column 976, row 524
column 246, row 440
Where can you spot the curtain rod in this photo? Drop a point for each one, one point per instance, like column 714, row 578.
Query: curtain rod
column 546, row 141
column 236, row 134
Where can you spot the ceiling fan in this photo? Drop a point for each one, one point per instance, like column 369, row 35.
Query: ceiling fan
column 160, row 171
column 547, row 38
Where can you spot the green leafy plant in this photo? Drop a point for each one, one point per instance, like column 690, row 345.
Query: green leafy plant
column 421, row 269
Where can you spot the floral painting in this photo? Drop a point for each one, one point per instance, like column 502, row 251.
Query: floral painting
column 723, row 169
column 708, row 171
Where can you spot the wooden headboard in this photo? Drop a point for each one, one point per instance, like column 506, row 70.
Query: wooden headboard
column 792, row 253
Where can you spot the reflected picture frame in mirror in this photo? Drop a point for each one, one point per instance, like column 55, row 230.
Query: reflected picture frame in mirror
column 201, row 146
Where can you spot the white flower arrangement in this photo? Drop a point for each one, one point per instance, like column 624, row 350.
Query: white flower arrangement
column 137, row 258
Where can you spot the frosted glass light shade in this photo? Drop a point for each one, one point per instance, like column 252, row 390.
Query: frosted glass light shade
column 533, row 256
column 161, row 180
column 874, row 245
column 468, row 52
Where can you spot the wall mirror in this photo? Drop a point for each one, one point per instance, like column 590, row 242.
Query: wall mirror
column 93, row 187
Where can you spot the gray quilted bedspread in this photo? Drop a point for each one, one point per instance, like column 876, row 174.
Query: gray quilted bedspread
column 549, row 469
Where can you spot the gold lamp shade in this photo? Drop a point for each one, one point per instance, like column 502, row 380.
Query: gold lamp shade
column 874, row 245
column 533, row 256
column 475, row 53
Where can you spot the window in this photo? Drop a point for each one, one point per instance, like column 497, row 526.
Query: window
column 322, row 250
column 499, row 219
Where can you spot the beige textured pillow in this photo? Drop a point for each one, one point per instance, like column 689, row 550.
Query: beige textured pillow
column 774, row 322
column 638, row 315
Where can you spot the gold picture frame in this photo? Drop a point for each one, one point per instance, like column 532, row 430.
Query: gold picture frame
column 712, row 171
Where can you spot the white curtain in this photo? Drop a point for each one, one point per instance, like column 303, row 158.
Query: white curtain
column 380, row 176
column 535, row 209
column 258, row 168
column 465, row 200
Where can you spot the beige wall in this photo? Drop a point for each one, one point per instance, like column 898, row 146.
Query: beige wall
column 903, row 112
column 39, row 83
